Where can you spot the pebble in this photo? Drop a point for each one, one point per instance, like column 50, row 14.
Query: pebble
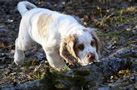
column 40, row 56
column 2, row 26
column 104, row 88
column 16, row 80
column 14, row 73
column 134, row 53
column 134, row 69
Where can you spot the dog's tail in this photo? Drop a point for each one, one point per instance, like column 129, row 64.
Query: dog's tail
column 25, row 6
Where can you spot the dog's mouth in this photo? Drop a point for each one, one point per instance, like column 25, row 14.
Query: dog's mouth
column 87, row 61
column 90, row 61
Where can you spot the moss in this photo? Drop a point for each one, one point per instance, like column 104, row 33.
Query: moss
column 50, row 78
column 78, row 80
column 59, row 86
column 79, row 77
column 136, row 85
column 58, row 80
column 81, row 72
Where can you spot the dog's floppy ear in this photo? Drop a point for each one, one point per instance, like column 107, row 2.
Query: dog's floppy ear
column 95, row 37
column 67, row 49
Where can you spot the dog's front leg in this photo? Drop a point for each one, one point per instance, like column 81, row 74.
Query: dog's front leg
column 54, row 59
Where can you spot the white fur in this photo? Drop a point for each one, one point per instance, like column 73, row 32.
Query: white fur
column 60, row 27
column 86, row 39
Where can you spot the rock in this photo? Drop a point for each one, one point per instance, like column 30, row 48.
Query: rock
column 135, row 30
column 40, row 55
column 88, row 76
column 104, row 88
column 122, row 52
column 134, row 69
column 13, row 74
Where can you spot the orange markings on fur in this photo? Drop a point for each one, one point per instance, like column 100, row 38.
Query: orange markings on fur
column 67, row 49
column 43, row 24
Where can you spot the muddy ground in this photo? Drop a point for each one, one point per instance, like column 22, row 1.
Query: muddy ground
column 116, row 21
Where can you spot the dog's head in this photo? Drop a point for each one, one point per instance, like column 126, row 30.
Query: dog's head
column 81, row 47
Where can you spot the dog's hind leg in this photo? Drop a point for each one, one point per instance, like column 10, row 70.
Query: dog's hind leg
column 22, row 43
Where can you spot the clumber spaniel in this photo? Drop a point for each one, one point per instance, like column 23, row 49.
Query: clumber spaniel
column 60, row 35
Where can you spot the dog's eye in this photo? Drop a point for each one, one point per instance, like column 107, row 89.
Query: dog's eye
column 92, row 43
column 80, row 46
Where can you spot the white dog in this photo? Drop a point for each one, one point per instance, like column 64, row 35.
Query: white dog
column 61, row 37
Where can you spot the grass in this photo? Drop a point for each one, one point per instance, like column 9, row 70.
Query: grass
column 117, row 17
column 37, row 75
column 123, row 20
column 123, row 34
column 33, row 62
column 34, row 76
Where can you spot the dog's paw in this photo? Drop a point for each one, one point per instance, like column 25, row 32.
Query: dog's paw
column 19, row 60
